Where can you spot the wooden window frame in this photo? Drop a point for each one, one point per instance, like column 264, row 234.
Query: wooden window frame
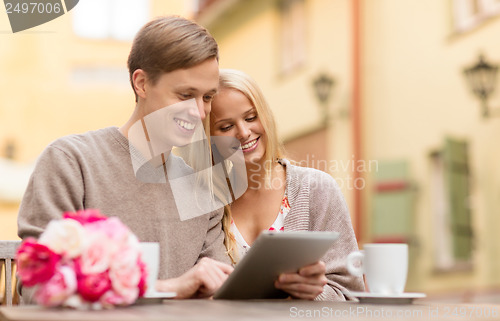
column 292, row 33
column 468, row 14
column 451, row 216
column 110, row 19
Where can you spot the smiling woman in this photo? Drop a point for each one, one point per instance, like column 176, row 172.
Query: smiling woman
column 239, row 119
column 280, row 196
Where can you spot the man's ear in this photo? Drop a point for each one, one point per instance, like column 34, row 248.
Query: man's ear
column 139, row 78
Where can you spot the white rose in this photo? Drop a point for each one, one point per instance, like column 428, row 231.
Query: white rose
column 65, row 237
column 133, row 243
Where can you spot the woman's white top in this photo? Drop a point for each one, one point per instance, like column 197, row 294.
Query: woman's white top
column 278, row 225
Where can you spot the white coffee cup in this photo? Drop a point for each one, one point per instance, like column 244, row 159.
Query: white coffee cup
column 150, row 254
column 384, row 265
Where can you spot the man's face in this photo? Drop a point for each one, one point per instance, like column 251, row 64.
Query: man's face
column 199, row 83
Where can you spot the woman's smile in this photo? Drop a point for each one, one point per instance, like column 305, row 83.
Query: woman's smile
column 250, row 146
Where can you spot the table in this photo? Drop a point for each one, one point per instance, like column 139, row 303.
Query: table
column 207, row 310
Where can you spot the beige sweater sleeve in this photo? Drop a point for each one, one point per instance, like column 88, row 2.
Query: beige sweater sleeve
column 214, row 241
column 55, row 186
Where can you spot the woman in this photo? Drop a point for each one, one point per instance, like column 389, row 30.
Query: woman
column 280, row 196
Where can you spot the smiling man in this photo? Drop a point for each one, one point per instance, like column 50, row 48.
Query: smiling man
column 172, row 60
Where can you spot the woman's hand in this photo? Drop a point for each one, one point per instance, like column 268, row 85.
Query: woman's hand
column 306, row 284
column 201, row 281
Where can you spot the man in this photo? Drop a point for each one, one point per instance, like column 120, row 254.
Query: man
column 172, row 60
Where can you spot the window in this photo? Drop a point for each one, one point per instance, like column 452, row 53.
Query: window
column 393, row 205
column 110, row 19
column 292, row 32
column 469, row 13
column 451, row 205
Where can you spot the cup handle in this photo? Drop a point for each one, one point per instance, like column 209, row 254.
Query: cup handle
column 353, row 257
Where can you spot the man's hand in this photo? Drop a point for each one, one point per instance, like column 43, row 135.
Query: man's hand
column 306, row 284
column 201, row 281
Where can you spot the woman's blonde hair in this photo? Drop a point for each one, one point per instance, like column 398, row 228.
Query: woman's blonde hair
column 238, row 80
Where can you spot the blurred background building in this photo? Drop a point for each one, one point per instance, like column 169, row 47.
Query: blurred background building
column 371, row 91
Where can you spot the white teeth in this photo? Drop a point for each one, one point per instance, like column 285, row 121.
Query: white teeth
column 185, row 125
column 250, row 144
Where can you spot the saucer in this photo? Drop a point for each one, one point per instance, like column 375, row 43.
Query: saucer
column 403, row 298
column 155, row 297
column 160, row 295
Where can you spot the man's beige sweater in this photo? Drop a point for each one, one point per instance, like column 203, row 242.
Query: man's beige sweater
column 94, row 171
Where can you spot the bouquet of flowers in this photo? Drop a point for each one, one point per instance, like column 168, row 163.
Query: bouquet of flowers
column 83, row 259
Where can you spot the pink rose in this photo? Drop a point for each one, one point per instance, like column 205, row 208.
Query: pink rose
column 59, row 288
column 113, row 228
column 91, row 287
column 97, row 254
column 125, row 274
column 85, row 216
column 111, row 298
column 143, row 282
column 36, row 263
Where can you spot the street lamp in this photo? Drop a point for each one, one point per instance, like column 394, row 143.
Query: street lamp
column 322, row 85
column 482, row 79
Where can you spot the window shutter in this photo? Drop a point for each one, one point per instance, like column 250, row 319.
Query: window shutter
column 393, row 203
column 457, row 188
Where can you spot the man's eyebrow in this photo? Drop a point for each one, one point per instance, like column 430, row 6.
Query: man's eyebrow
column 227, row 119
column 210, row 91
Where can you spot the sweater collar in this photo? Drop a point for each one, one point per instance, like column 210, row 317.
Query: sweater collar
column 298, row 198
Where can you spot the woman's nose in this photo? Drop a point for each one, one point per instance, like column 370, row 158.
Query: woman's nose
column 243, row 132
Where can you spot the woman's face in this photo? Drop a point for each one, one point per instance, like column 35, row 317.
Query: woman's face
column 234, row 115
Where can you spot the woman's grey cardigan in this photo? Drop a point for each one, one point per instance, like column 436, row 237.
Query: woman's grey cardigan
column 317, row 204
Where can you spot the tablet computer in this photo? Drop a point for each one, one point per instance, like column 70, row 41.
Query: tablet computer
column 271, row 254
